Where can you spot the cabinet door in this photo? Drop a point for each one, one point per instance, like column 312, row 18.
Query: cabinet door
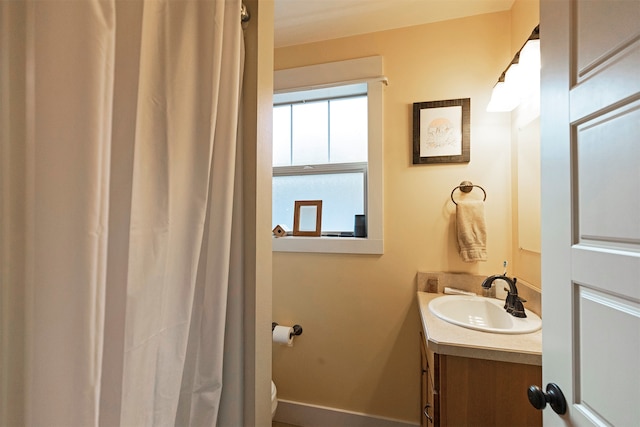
column 426, row 386
column 433, row 360
column 486, row 393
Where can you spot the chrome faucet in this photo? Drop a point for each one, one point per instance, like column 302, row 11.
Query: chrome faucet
column 513, row 303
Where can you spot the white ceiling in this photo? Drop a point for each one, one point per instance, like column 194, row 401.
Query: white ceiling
column 304, row 21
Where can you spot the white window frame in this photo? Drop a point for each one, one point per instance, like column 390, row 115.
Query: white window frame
column 363, row 70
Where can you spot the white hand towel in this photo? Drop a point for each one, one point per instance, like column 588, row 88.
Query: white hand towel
column 471, row 230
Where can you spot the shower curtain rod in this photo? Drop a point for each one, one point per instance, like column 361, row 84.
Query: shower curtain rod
column 245, row 16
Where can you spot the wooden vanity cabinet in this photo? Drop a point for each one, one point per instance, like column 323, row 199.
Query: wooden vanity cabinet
column 463, row 391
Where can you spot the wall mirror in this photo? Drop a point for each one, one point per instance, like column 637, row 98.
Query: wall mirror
column 307, row 218
column 529, row 186
column 519, row 88
column 525, row 133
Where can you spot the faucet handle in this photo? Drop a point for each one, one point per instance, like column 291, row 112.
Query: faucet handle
column 518, row 308
column 509, row 302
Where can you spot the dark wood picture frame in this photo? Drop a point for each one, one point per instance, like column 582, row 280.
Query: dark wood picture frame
column 300, row 205
column 441, row 134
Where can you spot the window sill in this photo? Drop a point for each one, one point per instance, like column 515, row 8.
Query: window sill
column 341, row 245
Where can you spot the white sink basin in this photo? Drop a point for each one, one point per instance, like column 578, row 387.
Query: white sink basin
column 483, row 314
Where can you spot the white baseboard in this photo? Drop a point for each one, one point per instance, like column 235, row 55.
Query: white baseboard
column 305, row 415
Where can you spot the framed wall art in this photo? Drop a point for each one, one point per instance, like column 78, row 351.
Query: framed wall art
column 441, row 131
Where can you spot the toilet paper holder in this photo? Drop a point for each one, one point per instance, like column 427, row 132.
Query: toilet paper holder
column 297, row 329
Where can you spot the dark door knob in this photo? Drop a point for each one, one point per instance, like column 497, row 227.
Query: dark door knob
column 553, row 397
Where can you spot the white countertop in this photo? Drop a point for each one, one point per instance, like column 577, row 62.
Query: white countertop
column 448, row 339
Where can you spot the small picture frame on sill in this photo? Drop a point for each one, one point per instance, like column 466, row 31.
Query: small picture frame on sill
column 307, row 218
column 441, row 131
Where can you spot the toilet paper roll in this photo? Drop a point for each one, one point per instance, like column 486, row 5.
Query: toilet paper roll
column 283, row 335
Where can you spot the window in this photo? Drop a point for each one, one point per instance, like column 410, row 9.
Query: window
column 320, row 153
column 327, row 145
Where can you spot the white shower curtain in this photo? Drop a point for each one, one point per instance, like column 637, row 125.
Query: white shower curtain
column 132, row 203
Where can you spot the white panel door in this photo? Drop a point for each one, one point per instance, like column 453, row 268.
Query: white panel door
column 590, row 137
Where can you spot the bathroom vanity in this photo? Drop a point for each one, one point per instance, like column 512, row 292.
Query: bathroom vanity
column 476, row 378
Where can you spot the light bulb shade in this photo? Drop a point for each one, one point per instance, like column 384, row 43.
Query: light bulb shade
column 502, row 99
column 514, row 80
column 530, row 69
column 521, row 80
column 530, row 55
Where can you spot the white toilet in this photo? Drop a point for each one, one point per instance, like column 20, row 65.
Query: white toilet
column 274, row 399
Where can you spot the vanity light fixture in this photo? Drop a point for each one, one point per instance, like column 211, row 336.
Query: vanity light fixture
column 521, row 80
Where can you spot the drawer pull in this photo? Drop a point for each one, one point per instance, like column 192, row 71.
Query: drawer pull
column 426, row 414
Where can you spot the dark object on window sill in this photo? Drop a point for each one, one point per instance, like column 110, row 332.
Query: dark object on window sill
column 360, row 226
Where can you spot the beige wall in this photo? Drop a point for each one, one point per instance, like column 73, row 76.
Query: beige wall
column 359, row 350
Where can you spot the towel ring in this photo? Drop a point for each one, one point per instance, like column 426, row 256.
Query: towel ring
column 466, row 187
